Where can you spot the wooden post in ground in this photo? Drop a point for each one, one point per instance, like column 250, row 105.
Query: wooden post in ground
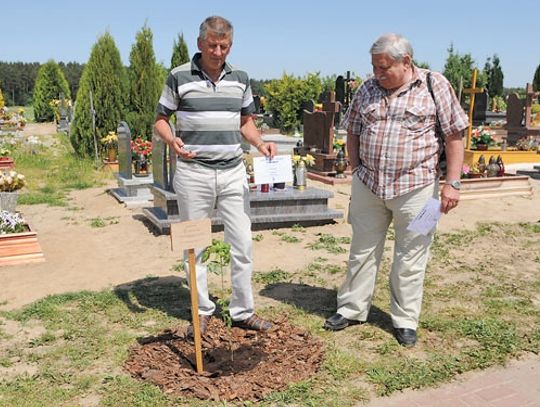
column 195, row 310
column 186, row 236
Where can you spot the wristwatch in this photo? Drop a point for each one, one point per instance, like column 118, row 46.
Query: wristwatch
column 456, row 184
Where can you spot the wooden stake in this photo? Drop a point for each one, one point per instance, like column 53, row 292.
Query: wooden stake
column 195, row 310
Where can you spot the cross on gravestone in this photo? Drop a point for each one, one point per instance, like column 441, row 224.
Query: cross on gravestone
column 124, row 151
column 473, row 90
column 319, row 126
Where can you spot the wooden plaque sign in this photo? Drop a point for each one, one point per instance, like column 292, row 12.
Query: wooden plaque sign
column 191, row 234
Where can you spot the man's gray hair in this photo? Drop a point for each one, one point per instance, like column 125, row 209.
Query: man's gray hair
column 217, row 25
column 394, row 45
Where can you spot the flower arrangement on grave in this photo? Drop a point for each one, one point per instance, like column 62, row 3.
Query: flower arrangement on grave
column 483, row 136
column 527, row 144
column 307, row 159
column 110, row 143
column 11, row 223
column 110, row 140
column 338, row 144
column 4, row 151
column 55, row 104
column 11, row 181
column 141, row 147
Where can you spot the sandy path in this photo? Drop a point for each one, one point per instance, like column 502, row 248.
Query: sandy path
column 81, row 257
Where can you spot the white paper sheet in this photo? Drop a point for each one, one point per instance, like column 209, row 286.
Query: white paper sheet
column 427, row 219
column 270, row 171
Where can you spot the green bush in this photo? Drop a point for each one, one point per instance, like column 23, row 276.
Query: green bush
column 285, row 96
column 104, row 76
column 50, row 82
column 144, row 85
column 2, row 104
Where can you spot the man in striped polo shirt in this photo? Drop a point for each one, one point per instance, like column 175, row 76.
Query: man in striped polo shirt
column 213, row 105
column 395, row 123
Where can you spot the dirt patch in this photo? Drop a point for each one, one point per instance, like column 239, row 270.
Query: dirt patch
column 239, row 364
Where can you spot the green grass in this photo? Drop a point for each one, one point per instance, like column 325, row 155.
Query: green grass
column 52, row 172
column 479, row 310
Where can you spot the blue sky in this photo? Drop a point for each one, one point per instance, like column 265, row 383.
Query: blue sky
column 294, row 36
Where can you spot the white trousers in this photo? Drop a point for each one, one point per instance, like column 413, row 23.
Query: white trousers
column 199, row 189
column 370, row 218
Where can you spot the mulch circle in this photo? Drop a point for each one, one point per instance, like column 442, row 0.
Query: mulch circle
column 238, row 364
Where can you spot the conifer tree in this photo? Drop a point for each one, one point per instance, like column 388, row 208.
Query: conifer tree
column 458, row 67
column 104, row 76
column 536, row 80
column 495, row 78
column 180, row 53
column 50, row 82
column 144, row 85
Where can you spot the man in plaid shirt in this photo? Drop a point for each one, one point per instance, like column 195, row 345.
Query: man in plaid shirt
column 396, row 128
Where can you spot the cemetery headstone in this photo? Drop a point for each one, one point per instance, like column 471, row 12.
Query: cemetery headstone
column 480, row 107
column 125, row 169
column 159, row 162
column 514, row 111
column 63, row 122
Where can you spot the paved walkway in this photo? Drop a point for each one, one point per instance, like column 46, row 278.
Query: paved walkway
column 516, row 385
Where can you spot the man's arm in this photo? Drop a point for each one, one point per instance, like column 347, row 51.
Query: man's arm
column 454, row 164
column 352, row 150
column 163, row 129
column 253, row 137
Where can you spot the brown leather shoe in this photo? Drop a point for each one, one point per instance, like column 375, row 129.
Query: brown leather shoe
column 254, row 322
column 203, row 323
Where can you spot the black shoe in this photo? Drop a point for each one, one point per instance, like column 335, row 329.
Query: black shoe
column 337, row 322
column 405, row 336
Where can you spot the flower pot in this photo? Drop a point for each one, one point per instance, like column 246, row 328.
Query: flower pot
column 112, row 154
column 142, row 166
column 482, row 147
column 8, row 201
column 6, row 163
column 20, row 248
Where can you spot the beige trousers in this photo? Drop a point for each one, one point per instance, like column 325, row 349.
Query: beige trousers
column 199, row 190
column 370, row 218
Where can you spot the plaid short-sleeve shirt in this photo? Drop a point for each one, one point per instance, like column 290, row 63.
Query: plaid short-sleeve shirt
column 398, row 144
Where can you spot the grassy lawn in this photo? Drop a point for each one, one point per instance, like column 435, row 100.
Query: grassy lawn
column 479, row 310
column 52, row 170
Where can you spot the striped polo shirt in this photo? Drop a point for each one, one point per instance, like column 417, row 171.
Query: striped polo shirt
column 208, row 113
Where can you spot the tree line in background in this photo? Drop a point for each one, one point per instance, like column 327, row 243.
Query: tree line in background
column 130, row 93
column 17, row 80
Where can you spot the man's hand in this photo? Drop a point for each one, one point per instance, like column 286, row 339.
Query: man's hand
column 267, row 149
column 449, row 198
column 180, row 150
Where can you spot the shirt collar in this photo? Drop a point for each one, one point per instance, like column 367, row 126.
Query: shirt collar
column 196, row 65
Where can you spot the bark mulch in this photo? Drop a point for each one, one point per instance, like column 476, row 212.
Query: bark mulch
column 238, row 364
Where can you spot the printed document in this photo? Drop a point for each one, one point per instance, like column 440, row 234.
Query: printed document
column 427, row 219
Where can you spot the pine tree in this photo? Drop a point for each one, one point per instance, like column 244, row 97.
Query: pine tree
column 458, row 67
column 50, row 82
column 104, row 76
column 180, row 53
column 144, row 85
column 495, row 78
column 536, row 79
